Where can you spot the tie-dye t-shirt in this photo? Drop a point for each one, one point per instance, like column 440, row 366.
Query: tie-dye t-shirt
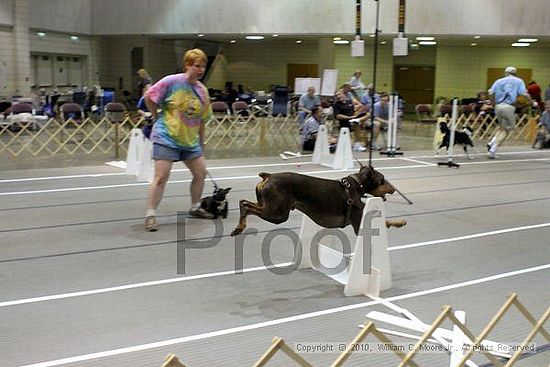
column 183, row 108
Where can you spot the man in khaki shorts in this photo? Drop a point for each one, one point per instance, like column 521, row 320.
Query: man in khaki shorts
column 504, row 93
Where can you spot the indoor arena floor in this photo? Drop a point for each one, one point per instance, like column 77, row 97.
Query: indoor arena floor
column 82, row 283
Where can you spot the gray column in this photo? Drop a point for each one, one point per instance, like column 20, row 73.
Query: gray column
column 21, row 47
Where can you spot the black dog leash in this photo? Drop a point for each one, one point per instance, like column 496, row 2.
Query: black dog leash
column 211, row 179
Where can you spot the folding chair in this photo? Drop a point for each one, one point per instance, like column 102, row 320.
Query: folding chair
column 115, row 112
column 71, row 111
column 240, row 108
column 424, row 117
column 220, row 109
column 21, row 116
column 280, row 101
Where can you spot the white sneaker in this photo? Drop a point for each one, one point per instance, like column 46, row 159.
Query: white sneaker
column 358, row 147
column 354, row 121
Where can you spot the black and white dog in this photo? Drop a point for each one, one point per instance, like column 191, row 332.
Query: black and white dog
column 463, row 138
column 217, row 203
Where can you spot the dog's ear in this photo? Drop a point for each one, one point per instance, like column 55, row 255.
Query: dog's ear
column 227, row 190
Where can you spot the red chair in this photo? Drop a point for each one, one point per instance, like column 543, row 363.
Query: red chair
column 115, row 112
column 71, row 111
column 445, row 110
column 220, row 108
column 240, row 108
column 424, row 116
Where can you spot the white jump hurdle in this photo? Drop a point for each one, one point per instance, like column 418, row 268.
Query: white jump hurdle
column 342, row 158
column 367, row 270
column 138, row 160
column 453, row 340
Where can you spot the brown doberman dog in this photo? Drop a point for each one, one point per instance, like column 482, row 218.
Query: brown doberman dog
column 329, row 203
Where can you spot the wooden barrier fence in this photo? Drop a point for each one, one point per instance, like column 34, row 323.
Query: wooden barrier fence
column 406, row 359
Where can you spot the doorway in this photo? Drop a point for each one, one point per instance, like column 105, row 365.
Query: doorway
column 415, row 84
column 294, row 71
column 497, row 73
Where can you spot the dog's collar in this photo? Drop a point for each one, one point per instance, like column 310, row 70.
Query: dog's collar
column 353, row 195
column 347, row 183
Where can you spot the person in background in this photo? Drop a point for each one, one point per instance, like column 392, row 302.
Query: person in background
column 535, row 92
column 484, row 105
column 178, row 133
column 370, row 96
column 144, row 79
column 306, row 103
column 381, row 117
column 504, row 93
column 141, row 106
column 356, row 85
column 310, row 129
column 547, row 95
column 350, row 116
column 542, row 139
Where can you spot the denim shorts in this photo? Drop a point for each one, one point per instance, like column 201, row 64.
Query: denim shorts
column 165, row 153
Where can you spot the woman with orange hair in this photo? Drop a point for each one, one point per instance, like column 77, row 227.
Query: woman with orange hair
column 180, row 104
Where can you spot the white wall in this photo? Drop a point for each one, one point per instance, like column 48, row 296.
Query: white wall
column 60, row 44
column 494, row 17
column 6, row 12
column 222, row 16
column 464, row 17
column 71, row 16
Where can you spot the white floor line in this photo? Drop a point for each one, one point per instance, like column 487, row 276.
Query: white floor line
column 248, row 270
column 93, row 175
column 417, row 161
column 134, row 285
column 233, row 330
column 423, row 165
column 218, row 179
column 468, row 237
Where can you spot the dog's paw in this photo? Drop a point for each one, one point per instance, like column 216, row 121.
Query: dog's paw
column 237, row 231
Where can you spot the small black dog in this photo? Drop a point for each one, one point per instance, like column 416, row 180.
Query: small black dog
column 217, row 203
column 463, row 137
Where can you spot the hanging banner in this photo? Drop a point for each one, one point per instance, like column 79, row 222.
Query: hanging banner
column 401, row 17
column 357, row 17
column 401, row 44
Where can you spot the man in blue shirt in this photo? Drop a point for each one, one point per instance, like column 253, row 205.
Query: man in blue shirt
column 306, row 103
column 504, row 94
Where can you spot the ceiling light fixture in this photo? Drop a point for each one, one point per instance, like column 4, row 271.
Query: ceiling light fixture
column 529, row 40
column 254, row 38
column 298, row 41
column 477, row 37
column 200, row 35
column 74, row 38
column 473, row 44
column 233, row 41
column 425, row 38
column 336, row 38
column 371, row 35
column 520, row 44
column 427, row 43
column 275, row 35
column 41, row 34
column 341, row 42
column 383, row 42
